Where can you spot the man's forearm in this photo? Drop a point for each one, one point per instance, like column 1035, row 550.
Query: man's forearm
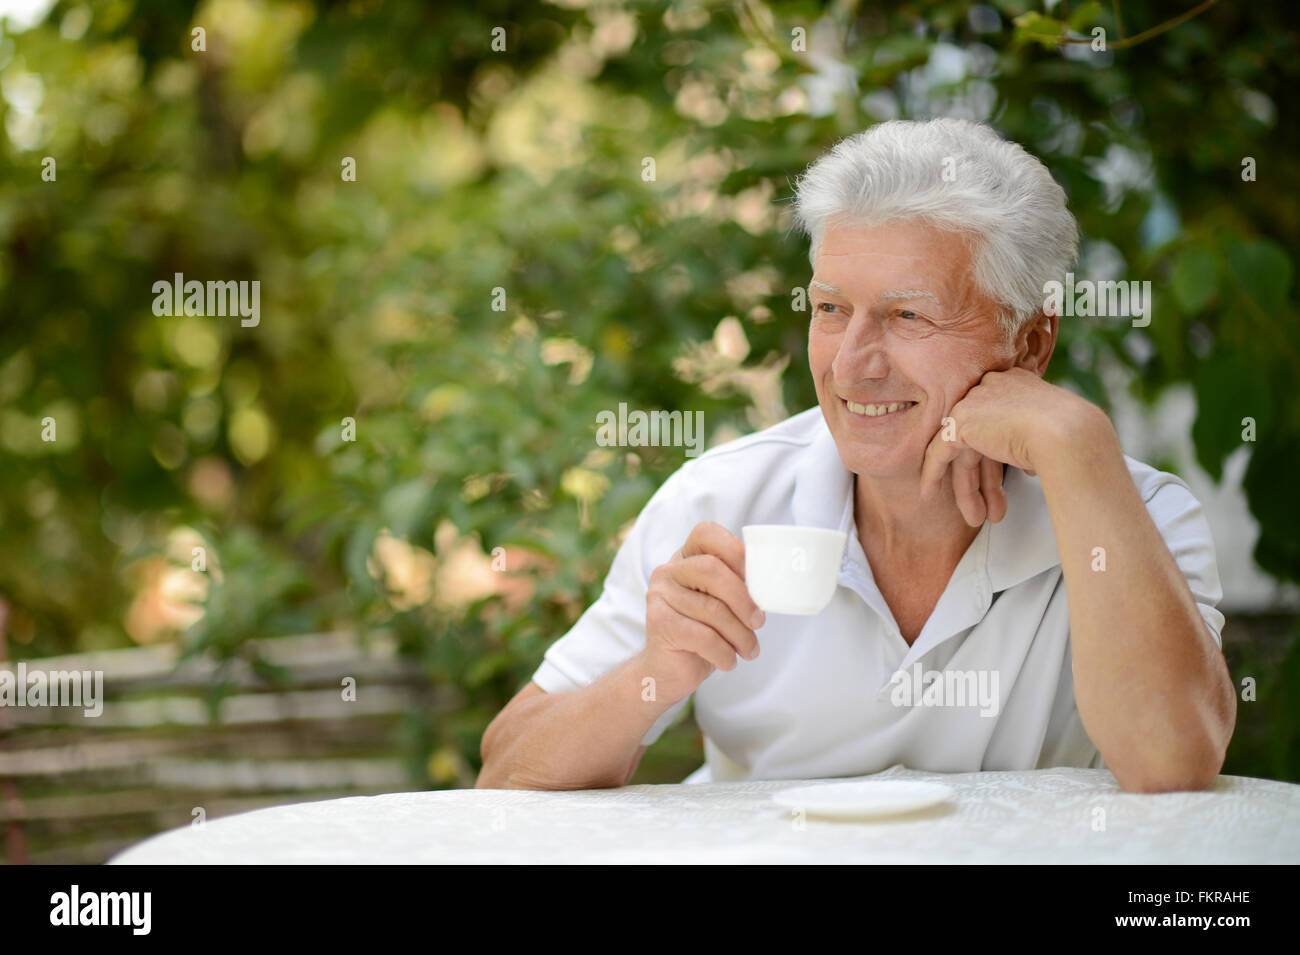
column 583, row 739
column 1152, row 687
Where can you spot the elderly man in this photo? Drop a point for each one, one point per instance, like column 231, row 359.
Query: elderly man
column 995, row 528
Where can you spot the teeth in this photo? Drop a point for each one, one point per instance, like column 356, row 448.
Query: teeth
column 874, row 411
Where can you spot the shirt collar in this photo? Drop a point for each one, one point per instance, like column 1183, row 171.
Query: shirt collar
column 823, row 486
column 1020, row 546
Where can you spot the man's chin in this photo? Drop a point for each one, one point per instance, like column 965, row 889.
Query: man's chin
column 887, row 466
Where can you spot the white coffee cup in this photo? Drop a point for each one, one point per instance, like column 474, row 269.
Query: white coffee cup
column 792, row 569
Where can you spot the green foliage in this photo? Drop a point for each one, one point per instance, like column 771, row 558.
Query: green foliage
column 523, row 170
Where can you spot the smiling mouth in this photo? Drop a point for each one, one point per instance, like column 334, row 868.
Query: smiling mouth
column 877, row 410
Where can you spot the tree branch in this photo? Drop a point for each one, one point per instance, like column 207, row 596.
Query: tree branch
column 1125, row 42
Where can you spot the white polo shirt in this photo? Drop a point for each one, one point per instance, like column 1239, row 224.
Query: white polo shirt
column 828, row 695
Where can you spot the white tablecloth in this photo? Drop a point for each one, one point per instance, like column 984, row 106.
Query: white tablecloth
column 1040, row 816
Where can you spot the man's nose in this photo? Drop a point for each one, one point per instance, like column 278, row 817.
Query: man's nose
column 862, row 352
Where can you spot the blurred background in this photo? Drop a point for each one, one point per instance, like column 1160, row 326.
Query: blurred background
column 315, row 556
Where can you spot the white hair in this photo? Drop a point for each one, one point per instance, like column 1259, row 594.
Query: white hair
column 959, row 176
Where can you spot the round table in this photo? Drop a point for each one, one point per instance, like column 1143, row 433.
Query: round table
column 1040, row 816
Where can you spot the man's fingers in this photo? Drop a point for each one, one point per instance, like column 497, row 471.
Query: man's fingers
column 995, row 499
column 966, row 487
column 691, row 636
column 707, row 643
column 708, row 574
column 938, row 456
column 708, row 609
column 708, row 537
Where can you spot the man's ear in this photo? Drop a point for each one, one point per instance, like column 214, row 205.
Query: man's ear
column 1035, row 343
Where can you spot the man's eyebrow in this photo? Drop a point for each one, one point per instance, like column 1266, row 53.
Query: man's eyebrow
column 889, row 295
column 905, row 293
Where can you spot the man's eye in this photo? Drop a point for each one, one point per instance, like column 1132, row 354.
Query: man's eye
column 908, row 315
column 827, row 305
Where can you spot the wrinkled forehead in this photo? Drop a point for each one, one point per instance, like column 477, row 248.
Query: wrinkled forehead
column 894, row 261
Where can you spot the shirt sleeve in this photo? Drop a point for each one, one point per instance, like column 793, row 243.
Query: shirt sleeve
column 612, row 630
column 1181, row 521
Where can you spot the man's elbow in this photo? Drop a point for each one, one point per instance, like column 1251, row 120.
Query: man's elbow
column 500, row 739
column 1193, row 769
column 490, row 777
column 1194, row 763
column 1194, row 779
column 499, row 770
column 487, row 776
column 504, row 767
column 495, row 774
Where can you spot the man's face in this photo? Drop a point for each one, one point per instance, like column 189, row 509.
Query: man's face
column 896, row 321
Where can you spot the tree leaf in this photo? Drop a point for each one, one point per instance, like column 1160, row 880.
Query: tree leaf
column 1270, row 487
column 404, row 506
column 1033, row 27
column 1227, row 390
column 1195, row 278
column 1086, row 16
column 1264, row 270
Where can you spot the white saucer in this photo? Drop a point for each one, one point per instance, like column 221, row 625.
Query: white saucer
column 865, row 799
